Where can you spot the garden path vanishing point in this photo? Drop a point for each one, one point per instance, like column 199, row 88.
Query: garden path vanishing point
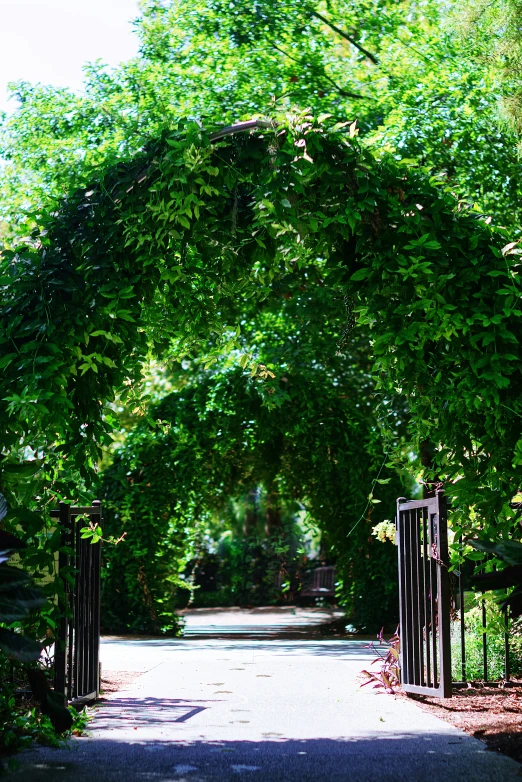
column 261, row 701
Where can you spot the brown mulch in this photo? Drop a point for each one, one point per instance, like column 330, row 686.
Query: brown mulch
column 491, row 714
column 114, row 681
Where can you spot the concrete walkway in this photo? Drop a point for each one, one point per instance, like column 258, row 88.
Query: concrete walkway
column 266, row 708
column 283, row 622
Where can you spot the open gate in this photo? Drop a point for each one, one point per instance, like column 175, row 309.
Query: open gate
column 422, row 539
column 77, row 647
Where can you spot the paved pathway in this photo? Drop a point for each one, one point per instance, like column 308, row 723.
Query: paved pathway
column 271, row 708
column 283, row 622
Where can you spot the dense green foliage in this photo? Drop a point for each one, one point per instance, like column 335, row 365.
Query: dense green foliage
column 510, row 578
column 309, row 437
column 46, row 715
column 129, row 235
column 223, row 225
column 253, row 566
column 161, row 248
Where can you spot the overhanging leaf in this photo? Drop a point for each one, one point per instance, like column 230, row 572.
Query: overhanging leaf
column 18, row 647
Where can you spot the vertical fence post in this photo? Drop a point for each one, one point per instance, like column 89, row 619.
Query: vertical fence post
column 402, row 595
column 443, row 597
column 507, row 662
column 462, row 627
column 484, row 640
column 96, row 553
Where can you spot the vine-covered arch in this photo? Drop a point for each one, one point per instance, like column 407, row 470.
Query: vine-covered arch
column 159, row 249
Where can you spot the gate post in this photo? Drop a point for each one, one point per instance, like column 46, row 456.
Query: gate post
column 96, row 602
column 444, row 597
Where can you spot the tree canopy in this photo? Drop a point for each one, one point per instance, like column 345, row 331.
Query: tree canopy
column 400, row 69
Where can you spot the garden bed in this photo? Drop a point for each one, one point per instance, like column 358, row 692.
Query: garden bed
column 491, row 714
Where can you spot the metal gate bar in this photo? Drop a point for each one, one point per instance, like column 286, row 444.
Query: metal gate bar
column 77, row 647
column 422, row 540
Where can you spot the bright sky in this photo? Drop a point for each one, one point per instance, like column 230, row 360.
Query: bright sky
column 49, row 41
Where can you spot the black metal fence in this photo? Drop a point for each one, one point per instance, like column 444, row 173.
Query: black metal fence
column 77, row 647
column 462, row 601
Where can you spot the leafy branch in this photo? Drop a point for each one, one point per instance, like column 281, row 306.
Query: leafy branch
column 345, row 35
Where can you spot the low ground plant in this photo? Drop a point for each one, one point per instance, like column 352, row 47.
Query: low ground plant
column 22, row 722
column 387, row 677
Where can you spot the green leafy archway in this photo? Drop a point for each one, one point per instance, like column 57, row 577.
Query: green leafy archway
column 154, row 256
column 214, row 468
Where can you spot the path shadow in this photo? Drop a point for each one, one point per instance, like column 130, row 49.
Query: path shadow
column 148, row 712
column 406, row 757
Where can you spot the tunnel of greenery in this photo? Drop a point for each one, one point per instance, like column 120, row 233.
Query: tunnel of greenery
column 220, row 470
column 163, row 257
